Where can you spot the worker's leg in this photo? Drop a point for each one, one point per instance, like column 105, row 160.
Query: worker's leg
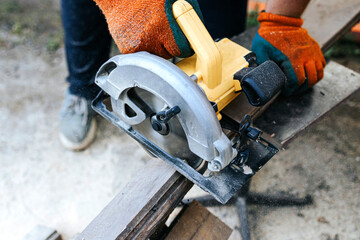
column 87, row 45
column 225, row 18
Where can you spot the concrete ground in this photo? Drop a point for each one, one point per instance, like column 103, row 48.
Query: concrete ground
column 43, row 183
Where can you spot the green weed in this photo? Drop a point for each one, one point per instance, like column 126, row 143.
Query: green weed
column 54, row 43
column 251, row 20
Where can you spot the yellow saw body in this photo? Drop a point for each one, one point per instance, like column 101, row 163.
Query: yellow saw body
column 214, row 63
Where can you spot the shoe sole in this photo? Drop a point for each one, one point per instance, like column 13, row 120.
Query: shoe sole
column 81, row 145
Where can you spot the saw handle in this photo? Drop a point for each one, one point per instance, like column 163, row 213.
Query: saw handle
column 208, row 57
column 261, row 83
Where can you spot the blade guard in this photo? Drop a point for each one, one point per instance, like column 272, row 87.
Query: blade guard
column 169, row 83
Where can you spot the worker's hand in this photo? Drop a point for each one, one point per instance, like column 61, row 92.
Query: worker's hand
column 146, row 25
column 282, row 40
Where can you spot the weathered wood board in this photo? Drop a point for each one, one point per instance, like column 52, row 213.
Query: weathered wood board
column 144, row 202
column 197, row 223
column 327, row 21
column 40, row 232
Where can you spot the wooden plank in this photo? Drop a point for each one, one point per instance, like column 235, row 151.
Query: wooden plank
column 288, row 117
column 135, row 211
column 162, row 209
column 327, row 21
column 41, row 232
column 197, row 223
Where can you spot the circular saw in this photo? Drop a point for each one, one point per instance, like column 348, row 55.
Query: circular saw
column 175, row 110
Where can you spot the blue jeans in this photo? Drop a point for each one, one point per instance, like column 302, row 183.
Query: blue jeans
column 87, row 44
column 87, row 39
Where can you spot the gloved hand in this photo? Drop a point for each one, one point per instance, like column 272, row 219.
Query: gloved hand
column 282, row 40
column 146, row 25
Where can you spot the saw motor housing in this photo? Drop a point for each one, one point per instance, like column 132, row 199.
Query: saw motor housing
column 214, row 63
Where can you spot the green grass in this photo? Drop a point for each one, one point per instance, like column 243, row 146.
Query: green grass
column 345, row 47
column 54, row 42
column 251, row 20
column 39, row 24
column 9, row 7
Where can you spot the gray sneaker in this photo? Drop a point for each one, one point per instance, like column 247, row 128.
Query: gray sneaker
column 77, row 123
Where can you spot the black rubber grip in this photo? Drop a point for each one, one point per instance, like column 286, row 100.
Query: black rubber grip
column 261, row 83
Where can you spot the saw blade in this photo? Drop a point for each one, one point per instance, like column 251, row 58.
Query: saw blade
column 173, row 140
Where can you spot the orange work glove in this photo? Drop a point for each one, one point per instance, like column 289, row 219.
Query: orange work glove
column 146, row 25
column 282, row 40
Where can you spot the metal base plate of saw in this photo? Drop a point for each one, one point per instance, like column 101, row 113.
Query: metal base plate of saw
column 223, row 184
column 174, row 111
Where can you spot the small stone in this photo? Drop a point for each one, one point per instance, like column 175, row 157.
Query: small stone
column 322, row 220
